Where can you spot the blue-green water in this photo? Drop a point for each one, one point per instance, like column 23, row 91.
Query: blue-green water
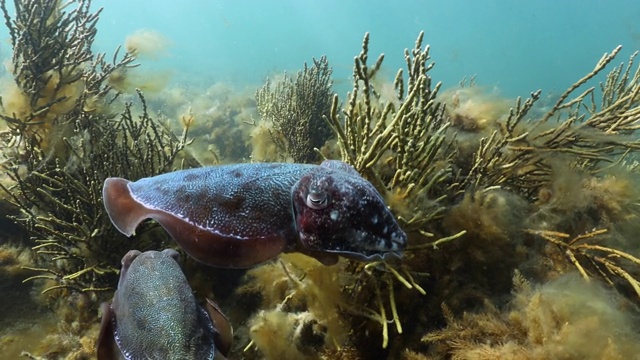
column 514, row 46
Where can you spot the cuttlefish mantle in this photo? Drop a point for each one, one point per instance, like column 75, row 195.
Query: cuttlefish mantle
column 154, row 315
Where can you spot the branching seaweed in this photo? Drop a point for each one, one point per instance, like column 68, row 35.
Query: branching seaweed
column 591, row 135
column 296, row 110
column 382, row 277
column 399, row 143
column 63, row 141
column 519, row 155
column 60, row 202
column 404, row 147
column 595, row 260
column 54, row 69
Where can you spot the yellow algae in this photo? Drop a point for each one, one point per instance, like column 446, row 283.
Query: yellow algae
column 147, row 43
column 565, row 318
column 27, row 336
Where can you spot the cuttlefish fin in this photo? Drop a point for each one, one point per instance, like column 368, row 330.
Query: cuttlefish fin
column 123, row 210
column 340, row 166
column 224, row 335
column 106, row 347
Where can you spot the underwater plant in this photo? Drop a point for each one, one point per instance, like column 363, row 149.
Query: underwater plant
column 550, row 321
column 570, row 165
column 295, row 109
column 55, row 75
column 496, row 199
column 146, row 43
column 222, row 124
column 56, row 158
column 66, row 131
column 300, row 302
column 586, row 133
column 398, row 143
column 565, row 177
column 60, row 202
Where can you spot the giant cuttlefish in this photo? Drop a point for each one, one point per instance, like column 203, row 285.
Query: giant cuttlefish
column 240, row 215
column 154, row 314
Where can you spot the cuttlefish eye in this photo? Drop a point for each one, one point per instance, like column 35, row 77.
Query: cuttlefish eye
column 317, row 200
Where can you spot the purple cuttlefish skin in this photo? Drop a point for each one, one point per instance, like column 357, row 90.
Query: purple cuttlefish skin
column 241, row 215
column 154, row 315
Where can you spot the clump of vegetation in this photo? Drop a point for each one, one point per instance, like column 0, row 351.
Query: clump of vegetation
column 64, row 138
column 564, row 318
column 482, row 194
column 398, row 142
column 300, row 304
column 222, row 120
column 56, row 77
column 295, row 110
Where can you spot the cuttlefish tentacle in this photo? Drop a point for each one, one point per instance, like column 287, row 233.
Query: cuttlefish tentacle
column 241, row 215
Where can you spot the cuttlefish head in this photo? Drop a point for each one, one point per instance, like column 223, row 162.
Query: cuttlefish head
column 340, row 213
column 155, row 315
